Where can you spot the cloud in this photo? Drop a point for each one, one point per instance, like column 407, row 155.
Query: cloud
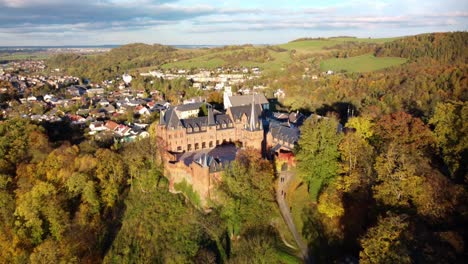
column 175, row 19
column 34, row 14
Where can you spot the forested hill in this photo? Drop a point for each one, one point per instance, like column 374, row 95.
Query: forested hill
column 118, row 60
column 443, row 47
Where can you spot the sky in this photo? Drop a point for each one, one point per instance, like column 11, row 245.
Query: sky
column 202, row 22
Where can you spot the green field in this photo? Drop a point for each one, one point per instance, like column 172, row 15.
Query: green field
column 211, row 59
column 363, row 63
column 319, row 45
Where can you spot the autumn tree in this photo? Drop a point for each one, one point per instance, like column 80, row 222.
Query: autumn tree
column 451, row 133
column 387, row 242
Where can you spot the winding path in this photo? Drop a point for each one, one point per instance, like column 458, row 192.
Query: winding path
column 284, row 208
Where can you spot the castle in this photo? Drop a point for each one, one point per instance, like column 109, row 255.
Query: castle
column 199, row 141
column 182, row 129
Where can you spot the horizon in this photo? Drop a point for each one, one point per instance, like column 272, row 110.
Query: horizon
column 205, row 22
column 201, row 45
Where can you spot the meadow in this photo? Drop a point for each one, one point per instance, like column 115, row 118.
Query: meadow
column 363, row 63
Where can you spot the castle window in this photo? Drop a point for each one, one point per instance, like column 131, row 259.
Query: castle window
column 211, row 144
column 196, row 146
column 217, row 142
column 203, row 145
column 179, row 148
column 189, row 147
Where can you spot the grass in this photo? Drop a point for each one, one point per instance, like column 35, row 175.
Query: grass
column 319, row 45
column 363, row 63
column 298, row 198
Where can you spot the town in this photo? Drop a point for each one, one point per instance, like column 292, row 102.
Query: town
column 198, row 139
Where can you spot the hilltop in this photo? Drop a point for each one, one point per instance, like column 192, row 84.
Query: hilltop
column 320, row 54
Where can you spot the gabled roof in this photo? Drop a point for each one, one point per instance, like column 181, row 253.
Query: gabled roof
column 172, row 120
column 188, row 107
column 250, row 112
column 201, row 121
column 239, row 100
column 222, row 119
column 111, row 125
column 284, row 133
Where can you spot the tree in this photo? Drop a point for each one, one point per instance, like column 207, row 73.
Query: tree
column 248, row 192
column 357, row 158
column 406, row 131
column 330, row 202
column 111, row 173
column 39, row 214
column 398, row 177
column 451, row 133
column 388, row 242
column 317, row 154
column 157, row 228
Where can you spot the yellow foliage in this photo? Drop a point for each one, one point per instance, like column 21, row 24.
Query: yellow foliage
column 330, row 202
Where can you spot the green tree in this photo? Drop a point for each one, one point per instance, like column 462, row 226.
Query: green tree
column 317, row 154
column 248, row 192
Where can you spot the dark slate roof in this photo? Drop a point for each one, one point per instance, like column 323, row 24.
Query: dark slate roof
column 189, row 107
column 297, row 118
column 201, row 121
column 239, row 100
column 238, row 111
column 284, row 133
column 222, row 119
column 170, row 119
column 216, row 159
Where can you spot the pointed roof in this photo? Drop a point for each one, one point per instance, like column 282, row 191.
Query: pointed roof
column 170, row 119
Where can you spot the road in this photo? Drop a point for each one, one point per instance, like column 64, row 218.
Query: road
column 284, row 208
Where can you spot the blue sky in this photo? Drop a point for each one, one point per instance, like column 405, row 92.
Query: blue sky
column 91, row 22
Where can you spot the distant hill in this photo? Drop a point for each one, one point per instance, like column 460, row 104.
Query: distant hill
column 316, row 53
column 117, row 61
column 443, row 47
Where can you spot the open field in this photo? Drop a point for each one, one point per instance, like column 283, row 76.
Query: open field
column 280, row 56
column 363, row 63
column 319, row 45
